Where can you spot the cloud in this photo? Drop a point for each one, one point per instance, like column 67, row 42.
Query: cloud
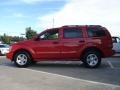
column 9, row 2
column 17, row 2
column 35, row 1
column 31, row 1
column 19, row 15
column 82, row 12
column 39, row 1
column 16, row 15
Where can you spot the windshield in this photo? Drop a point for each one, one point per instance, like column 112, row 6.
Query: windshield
column 4, row 46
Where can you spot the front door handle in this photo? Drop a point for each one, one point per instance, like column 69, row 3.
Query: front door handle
column 55, row 42
column 81, row 41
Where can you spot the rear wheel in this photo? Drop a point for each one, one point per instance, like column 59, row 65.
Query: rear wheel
column 22, row 59
column 92, row 59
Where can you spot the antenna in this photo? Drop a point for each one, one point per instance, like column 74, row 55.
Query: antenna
column 53, row 22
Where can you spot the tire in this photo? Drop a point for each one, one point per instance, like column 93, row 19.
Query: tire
column 0, row 53
column 34, row 62
column 92, row 59
column 22, row 59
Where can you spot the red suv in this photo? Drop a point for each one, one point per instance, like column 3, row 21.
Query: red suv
column 88, row 43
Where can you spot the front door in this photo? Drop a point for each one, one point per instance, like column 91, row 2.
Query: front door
column 48, row 46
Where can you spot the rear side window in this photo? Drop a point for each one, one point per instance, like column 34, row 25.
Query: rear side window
column 95, row 32
column 73, row 33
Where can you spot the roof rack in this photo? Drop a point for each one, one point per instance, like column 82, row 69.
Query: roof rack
column 82, row 25
column 72, row 25
column 94, row 25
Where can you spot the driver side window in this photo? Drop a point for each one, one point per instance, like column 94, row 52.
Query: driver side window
column 49, row 35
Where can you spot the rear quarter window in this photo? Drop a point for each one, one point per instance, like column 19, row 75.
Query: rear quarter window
column 95, row 32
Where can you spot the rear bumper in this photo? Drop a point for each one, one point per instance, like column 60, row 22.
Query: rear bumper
column 109, row 53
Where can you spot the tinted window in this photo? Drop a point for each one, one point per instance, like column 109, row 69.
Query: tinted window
column 52, row 34
column 114, row 40
column 95, row 32
column 3, row 46
column 72, row 33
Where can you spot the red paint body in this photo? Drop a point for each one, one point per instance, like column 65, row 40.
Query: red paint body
column 64, row 48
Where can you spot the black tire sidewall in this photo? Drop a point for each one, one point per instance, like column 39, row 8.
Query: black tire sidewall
column 0, row 53
column 28, row 59
column 85, row 59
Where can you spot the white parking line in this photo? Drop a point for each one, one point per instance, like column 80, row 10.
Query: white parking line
column 1, row 57
column 110, row 64
column 68, row 77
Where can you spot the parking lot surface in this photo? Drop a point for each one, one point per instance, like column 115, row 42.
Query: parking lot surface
column 66, row 75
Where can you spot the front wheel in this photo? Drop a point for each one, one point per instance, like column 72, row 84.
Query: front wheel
column 22, row 59
column 92, row 59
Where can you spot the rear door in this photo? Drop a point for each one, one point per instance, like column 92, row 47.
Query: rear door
column 72, row 42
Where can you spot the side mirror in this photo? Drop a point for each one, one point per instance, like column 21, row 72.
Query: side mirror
column 36, row 37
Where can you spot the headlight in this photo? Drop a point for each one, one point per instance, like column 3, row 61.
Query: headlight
column 10, row 48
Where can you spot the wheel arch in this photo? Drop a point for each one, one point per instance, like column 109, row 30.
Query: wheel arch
column 21, row 51
column 91, row 49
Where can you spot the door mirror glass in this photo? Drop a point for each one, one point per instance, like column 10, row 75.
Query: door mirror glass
column 36, row 37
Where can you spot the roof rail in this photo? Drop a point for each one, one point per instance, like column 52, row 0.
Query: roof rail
column 82, row 25
column 72, row 25
column 94, row 25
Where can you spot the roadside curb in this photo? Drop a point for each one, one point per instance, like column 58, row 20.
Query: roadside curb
column 117, row 55
column 2, row 56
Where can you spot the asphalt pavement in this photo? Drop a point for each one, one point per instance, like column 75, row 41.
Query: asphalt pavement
column 60, row 76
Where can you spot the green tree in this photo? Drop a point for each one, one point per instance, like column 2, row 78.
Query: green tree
column 30, row 33
column 17, row 39
column 6, row 39
column 0, row 38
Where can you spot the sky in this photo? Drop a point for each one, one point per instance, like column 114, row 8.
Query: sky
column 16, row 15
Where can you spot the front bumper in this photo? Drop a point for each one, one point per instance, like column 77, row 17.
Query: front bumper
column 9, row 55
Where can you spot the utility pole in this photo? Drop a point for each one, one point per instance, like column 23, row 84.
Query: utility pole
column 53, row 22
